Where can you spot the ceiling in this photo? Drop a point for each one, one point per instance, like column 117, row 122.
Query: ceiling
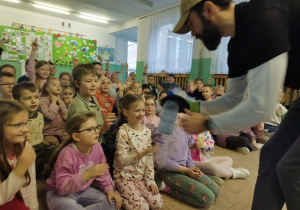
column 116, row 11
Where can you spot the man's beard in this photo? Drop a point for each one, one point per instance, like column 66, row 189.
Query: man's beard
column 211, row 35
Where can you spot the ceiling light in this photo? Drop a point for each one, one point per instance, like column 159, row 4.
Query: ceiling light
column 170, row 36
column 93, row 18
column 101, row 18
column 178, row 38
column 13, row 1
column 52, row 9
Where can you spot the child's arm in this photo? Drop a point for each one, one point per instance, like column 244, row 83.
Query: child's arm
column 107, row 66
column 16, row 179
column 149, row 169
column 63, row 109
column 144, row 80
column 31, row 62
column 49, row 108
column 160, row 82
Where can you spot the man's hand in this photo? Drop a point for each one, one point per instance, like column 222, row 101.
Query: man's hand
column 193, row 123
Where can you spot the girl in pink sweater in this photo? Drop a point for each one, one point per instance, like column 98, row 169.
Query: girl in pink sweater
column 75, row 164
column 17, row 159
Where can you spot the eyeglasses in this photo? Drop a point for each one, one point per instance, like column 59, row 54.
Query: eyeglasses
column 8, row 84
column 18, row 125
column 92, row 130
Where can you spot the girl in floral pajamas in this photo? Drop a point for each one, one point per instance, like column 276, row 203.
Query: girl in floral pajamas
column 133, row 164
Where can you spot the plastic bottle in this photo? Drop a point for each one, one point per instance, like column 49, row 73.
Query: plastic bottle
column 168, row 117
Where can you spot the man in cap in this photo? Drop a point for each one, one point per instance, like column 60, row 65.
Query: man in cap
column 263, row 53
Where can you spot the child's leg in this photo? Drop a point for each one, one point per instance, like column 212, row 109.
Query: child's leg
column 89, row 199
column 190, row 190
column 154, row 201
column 216, row 167
column 55, row 201
column 233, row 142
column 132, row 198
column 93, row 198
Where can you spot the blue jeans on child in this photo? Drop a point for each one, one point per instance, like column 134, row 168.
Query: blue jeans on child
column 279, row 166
column 90, row 199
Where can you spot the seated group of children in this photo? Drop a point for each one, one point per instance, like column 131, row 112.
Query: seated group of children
column 76, row 139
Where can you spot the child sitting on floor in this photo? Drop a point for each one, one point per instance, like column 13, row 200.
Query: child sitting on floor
column 17, row 171
column 196, row 89
column 134, row 168
column 243, row 142
column 176, row 168
column 75, row 164
column 220, row 166
column 151, row 121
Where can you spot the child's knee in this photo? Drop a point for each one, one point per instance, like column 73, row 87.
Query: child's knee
column 157, row 203
column 206, row 199
column 143, row 206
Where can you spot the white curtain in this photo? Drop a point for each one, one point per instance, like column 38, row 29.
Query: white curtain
column 219, row 58
column 166, row 50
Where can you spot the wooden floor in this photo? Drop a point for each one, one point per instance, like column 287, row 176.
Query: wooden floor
column 235, row 194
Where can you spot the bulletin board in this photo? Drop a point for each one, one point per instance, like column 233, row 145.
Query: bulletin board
column 19, row 47
column 65, row 48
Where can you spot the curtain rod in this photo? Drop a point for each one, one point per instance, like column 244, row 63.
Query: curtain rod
column 141, row 17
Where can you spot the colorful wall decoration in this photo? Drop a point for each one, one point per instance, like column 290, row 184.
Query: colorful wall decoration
column 107, row 53
column 65, row 48
column 19, row 47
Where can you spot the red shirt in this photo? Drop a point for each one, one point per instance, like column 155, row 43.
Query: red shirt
column 106, row 103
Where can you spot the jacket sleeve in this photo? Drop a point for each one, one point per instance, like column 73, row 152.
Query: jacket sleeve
column 10, row 186
column 31, row 70
column 161, row 83
column 264, row 83
column 63, row 110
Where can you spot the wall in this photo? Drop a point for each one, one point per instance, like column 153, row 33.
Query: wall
column 46, row 21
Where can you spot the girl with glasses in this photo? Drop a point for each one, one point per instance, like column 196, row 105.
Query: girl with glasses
column 17, row 159
column 75, row 164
